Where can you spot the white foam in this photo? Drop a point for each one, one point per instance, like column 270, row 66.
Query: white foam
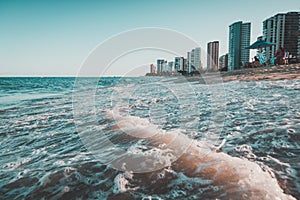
column 238, row 176
column 278, row 161
column 122, row 183
column 134, row 126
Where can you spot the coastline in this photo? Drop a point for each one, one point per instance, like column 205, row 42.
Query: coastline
column 274, row 73
column 266, row 73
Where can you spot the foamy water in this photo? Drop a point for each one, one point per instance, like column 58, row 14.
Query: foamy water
column 255, row 124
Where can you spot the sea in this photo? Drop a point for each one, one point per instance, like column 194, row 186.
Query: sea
column 89, row 138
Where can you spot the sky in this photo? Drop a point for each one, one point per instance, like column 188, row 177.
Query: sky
column 55, row 37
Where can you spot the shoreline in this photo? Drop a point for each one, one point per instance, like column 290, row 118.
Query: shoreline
column 274, row 73
column 266, row 73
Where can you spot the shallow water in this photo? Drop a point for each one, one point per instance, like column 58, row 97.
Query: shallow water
column 43, row 155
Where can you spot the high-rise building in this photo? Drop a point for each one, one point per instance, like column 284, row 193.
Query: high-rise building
column 213, row 56
column 239, row 39
column 184, row 65
column 171, row 67
column 165, row 66
column 189, row 62
column 179, row 64
column 283, row 30
column 160, row 66
column 223, row 62
column 152, row 69
column 193, row 60
column 197, row 58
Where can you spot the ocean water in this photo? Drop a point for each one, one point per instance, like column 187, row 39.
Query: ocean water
column 67, row 138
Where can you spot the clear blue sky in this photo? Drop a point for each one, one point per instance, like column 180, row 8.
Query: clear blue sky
column 53, row 37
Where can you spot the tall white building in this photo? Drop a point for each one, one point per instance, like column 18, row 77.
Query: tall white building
column 193, row 61
column 197, row 59
column 160, row 66
column 189, row 62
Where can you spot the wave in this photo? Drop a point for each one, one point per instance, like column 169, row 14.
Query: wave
column 234, row 177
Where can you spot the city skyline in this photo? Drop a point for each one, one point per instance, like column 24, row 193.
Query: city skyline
column 53, row 38
column 281, row 29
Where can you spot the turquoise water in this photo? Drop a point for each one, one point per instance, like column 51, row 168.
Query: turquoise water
column 43, row 154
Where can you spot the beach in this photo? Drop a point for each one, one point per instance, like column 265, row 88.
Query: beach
column 271, row 73
column 263, row 73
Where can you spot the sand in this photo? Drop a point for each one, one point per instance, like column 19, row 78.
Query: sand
column 274, row 73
